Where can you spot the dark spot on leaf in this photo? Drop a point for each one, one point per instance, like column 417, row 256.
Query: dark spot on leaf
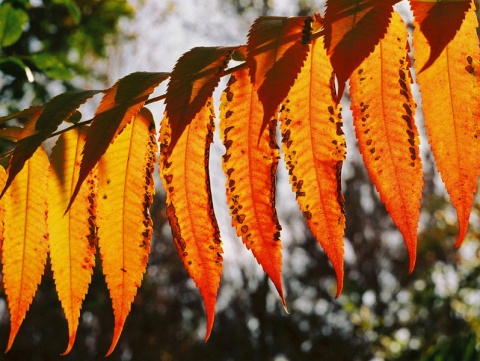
column 229, row 96
column 372, row 150
column 240, row 218
column 369, row 142
column 470, row 69
column 307, row 215
column 244, row 229
column 228, row 114
column 331, row 110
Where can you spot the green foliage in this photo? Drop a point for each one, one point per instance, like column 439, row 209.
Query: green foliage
column 54, row 40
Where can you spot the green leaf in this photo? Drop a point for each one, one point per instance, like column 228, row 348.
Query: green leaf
column 12, row 22
column 16, row 67
column 51, row 66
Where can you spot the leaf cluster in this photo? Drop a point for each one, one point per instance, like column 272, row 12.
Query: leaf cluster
column 292, row 71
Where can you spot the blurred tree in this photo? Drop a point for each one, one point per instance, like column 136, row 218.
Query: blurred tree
column 42, row 41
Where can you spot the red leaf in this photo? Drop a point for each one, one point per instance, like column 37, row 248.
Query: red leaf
column 276, row 51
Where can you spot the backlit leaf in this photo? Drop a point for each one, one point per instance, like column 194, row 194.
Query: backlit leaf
column 250, row 164
column 72, row 235
column 450, row 89
column 45, row 122
column 314, row 148
column 119, row 105
column 192, row 82
column 276, row 51
column 25, row 243
column 383, row 111
column 185, row 176
column 352, row 28
column 439, row 21
column 125, row 193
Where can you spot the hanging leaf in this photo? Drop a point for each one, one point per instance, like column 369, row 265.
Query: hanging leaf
column 450, row 89
column 125, row 193
column 46, row 121
column 185, row 176
column 314, row 148
column 25, row 244
column 352, row 28
column 72, row 235
column 276, row 51
column 119, row 105
column 192, row 82
column 383, row 112
column 250, row 164
column 439, row 21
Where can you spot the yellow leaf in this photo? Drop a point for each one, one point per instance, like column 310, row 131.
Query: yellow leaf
column 383, row 111
column 25, row 243
column 184, row 173
column 72, row 235
column 125, row 191
column 250, row 164
column 450, row 89
column 314, row 148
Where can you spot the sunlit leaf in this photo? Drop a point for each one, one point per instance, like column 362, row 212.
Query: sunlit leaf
column 439, row 21
column 72, row 235
column 383, row 111
column 314, row 148
column 276, row 51
column 119, row 105
column 250, row 164
column 184, row 170
column 450, row 89
column 45, row 121
column 125, row 193
column 352, row 28
column 25, row 243
column 192, row 82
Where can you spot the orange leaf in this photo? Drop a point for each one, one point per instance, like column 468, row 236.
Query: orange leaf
column 192, row 82
column 125, row 192
column 120, row 103
column 25, row 243
column 383, row 111
column 72, row 235
column 276, row 51
column 439, row 21
column 314, row 148
column 352, row 28
column 250, row 164
column 450, row 90
column 184, row 173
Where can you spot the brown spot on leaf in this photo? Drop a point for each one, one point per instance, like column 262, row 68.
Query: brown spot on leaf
column 240, row 218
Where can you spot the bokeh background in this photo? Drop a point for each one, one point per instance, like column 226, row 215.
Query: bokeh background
column 383, row 313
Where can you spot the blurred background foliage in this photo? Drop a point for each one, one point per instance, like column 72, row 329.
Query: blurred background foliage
column 383, row 313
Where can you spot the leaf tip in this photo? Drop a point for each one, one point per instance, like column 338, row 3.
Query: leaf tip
column 71, row 340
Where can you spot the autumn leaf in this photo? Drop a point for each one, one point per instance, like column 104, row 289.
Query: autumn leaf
column 46, row 121
column 25, row 237
column 314, row 148
column 250, row 165
column 125, row 193
column 191, row 84
column 439, row 21
column 119, row 105
column 276, row 51
column 352, row 28
column 383, row 112
column 184, row 171
column 72, row 235
column 450, row 89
